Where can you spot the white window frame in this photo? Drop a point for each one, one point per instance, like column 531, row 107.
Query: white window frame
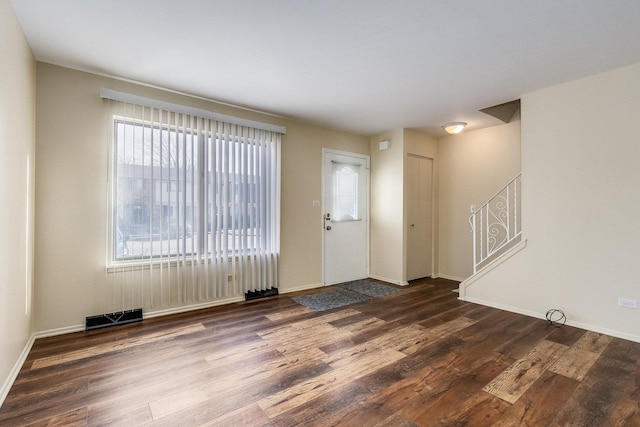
column 113, row 259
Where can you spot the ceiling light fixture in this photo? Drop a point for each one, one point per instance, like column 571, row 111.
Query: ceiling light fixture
column 454, row 127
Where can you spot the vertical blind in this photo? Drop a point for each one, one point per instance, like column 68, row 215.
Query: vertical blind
column 194, row 207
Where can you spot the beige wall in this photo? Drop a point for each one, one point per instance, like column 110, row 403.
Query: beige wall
column 301, row 238
column 386, row 221
column 17, row 126
column 473, row 166
column 72, row 131
column 388, row 204
column 580, row 204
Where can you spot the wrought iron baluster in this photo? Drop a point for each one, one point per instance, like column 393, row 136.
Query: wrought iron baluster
column 496, row 223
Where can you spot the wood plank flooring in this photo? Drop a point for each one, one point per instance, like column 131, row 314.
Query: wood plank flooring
column 416, row 358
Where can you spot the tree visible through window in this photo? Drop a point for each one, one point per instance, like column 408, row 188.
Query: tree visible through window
column 180, row 191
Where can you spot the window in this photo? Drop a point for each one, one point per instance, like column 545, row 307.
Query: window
column 194, row 203
column 192, row 187
column 345, row 192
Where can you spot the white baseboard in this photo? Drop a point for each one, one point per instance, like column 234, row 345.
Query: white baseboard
column 59, row 331
column 301, row 288
column 448, row 277
column 6, row 386
column 522, row 244
column 169, row 311
column 605, row 331
column 145, row 315
column 192, row 307
column 386, row 279
column 580, row 325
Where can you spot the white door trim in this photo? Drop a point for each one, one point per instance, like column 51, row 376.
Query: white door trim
column 367, row 159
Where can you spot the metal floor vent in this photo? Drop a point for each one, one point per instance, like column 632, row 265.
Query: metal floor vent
column 113, row 319
column 251, row 295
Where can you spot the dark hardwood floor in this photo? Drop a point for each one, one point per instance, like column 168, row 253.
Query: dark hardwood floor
column 416, row 358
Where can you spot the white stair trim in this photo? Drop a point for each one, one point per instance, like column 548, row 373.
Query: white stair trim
column 487, row 268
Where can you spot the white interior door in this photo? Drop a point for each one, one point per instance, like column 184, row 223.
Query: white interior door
column 346, row 217
column 419, row 217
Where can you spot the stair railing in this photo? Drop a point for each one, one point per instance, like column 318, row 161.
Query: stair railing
column 496, row 224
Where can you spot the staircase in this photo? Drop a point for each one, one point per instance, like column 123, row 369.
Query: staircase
column 496, row 225
column 497, row 232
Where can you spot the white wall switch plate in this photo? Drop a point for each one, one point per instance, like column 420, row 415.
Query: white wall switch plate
column 628, row 303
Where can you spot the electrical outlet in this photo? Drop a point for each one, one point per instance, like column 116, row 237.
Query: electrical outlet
column 628, row 303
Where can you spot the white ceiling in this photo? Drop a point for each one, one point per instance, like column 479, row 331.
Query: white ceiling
column 364, row 66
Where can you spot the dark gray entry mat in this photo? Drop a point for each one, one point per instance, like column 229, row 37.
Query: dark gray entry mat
column 348, row 293
column 369, row 287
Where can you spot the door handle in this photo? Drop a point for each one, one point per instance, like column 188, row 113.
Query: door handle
column 328, row 227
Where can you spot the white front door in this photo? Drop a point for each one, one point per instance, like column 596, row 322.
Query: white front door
column 345, row 216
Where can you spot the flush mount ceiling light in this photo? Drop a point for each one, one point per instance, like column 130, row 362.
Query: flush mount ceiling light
column 454, row 127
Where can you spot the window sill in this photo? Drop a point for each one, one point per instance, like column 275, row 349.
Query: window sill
column 165, row 263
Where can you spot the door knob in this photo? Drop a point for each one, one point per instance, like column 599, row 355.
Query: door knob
column 328, row 227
